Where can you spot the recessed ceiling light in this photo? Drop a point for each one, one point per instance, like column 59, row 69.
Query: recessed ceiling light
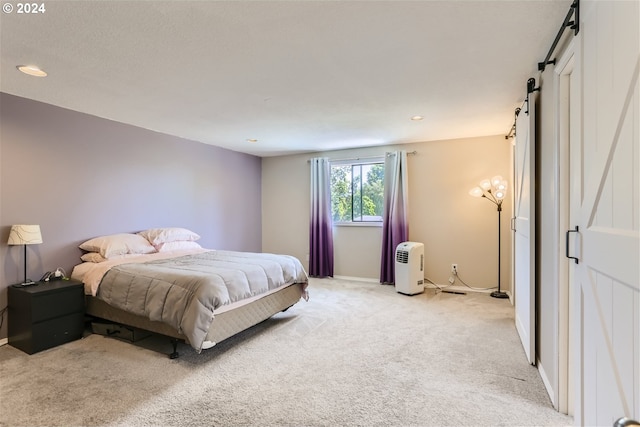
column 417, row 118
column 32, row 70
column 252, row 140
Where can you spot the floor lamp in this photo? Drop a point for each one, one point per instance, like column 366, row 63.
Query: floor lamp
column 25, row 235
column 495, row 191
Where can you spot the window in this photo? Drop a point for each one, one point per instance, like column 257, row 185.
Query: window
column 357, row 192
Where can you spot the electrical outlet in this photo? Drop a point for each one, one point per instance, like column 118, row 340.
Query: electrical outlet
column 451, row 279
column 454, row 269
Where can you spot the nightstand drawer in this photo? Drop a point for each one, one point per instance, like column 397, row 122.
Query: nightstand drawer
column 53, row 332
column 50, row 305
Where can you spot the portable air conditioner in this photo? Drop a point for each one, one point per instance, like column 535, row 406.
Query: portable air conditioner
column 410, row 268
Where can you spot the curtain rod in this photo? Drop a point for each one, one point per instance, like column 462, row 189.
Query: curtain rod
column 365, row 158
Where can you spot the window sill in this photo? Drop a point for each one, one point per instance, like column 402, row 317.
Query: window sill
column 357, row 224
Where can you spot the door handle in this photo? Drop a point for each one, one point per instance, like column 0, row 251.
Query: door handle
column 566, row 253
column 625, row 422
column 512, row 224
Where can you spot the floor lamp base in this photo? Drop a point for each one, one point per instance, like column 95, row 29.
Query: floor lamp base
column 499, row 294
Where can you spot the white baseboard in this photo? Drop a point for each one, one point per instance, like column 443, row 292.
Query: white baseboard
column 455, row 288
column 547, row 384
column 458, row 288
column 4, row 341
column 357, row 279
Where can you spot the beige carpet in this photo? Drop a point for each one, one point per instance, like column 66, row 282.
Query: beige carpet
column 355, row 354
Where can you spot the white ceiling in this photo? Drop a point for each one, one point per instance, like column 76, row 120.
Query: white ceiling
column 299, row 76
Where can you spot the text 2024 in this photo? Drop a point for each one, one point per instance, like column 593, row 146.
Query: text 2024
column 30, row 8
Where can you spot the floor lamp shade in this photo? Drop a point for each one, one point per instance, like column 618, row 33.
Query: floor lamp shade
column 25, row 235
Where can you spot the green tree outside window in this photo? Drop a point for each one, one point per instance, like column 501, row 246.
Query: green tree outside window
column 357, row 192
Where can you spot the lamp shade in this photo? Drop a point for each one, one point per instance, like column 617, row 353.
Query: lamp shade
column 476, row 192
column 485, row 184
column 24, row 235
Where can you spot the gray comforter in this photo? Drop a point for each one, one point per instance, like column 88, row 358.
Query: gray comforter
column 184, row 292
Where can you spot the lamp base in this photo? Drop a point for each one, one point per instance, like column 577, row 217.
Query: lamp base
column 25, row 283
column 499, row 294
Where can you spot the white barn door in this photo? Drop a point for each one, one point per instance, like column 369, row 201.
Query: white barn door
column 524, row 230
column 605, row 205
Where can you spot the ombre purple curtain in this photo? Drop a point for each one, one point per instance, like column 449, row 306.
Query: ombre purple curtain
column 395, row 223
column 320, row 227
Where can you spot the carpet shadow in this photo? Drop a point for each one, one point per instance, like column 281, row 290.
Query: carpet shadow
column 161, row 344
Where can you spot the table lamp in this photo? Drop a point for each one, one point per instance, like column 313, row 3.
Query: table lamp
column 25, row 235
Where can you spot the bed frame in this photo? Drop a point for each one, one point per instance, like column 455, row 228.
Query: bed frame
column 225, row 324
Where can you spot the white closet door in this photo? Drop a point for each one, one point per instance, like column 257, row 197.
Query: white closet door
column 605, row 193
column 524, row 234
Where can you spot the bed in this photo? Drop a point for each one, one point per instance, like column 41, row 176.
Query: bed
column 163, row 281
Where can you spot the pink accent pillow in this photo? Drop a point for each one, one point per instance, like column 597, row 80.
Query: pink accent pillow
column 118, row 244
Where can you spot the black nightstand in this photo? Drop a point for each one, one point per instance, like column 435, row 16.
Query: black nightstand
column 45, row 315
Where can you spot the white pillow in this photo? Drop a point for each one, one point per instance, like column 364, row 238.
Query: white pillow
column 95, row 257
column 156, row 236
column 118, row 244
column 177, row 246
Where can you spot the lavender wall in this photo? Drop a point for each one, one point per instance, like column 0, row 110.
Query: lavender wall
column 79, row 176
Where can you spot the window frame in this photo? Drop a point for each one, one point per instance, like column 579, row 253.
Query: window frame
column 357, row 162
